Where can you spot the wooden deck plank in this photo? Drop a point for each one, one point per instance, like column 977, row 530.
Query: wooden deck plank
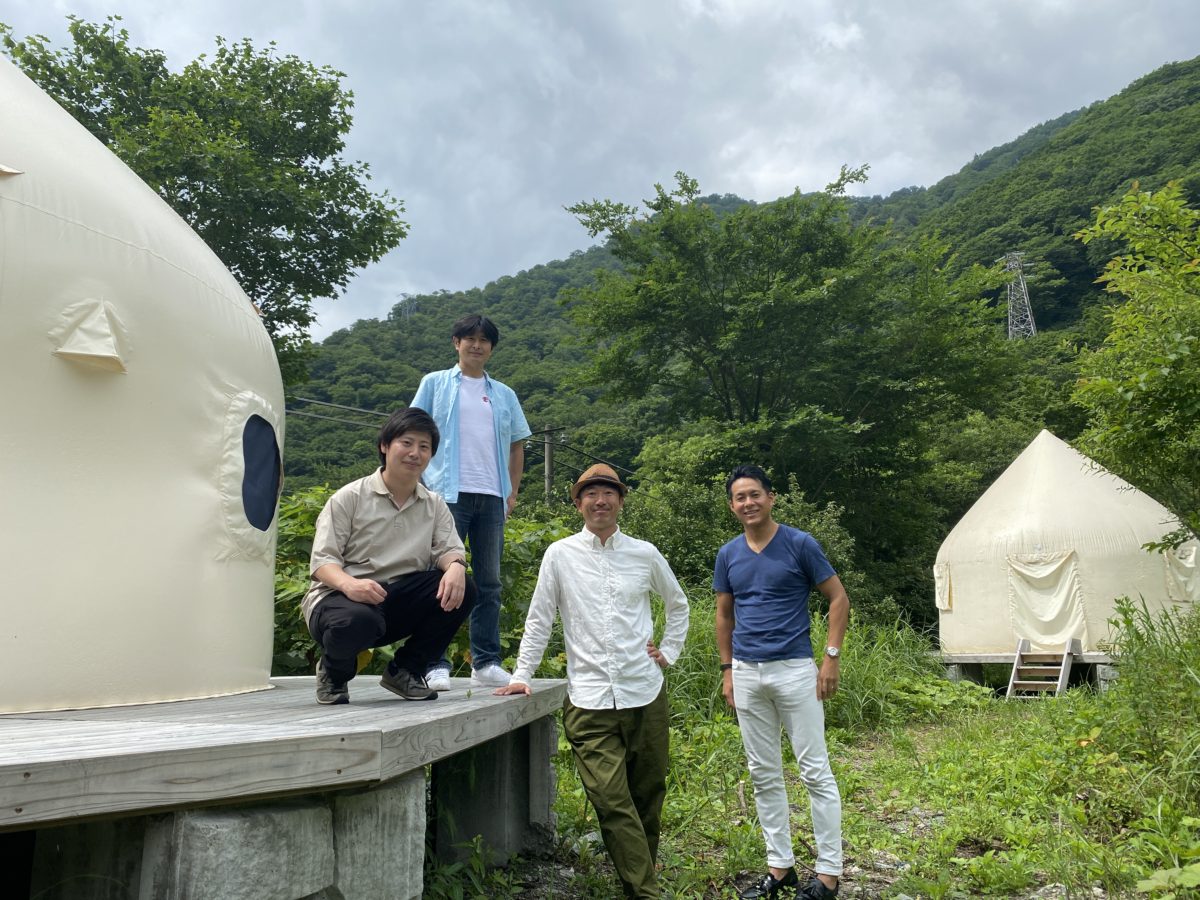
column 60, row 765
column 471, row 724
column 164, row 775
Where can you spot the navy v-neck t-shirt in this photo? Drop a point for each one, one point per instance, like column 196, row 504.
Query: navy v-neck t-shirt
column 770, row 593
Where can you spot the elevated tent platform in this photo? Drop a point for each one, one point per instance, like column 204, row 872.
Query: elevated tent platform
column 1006, row 659
column 1045, row 554
column 159, row 797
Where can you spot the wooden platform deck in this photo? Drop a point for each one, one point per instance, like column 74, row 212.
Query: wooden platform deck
column 59, row 766
column 1007, row 659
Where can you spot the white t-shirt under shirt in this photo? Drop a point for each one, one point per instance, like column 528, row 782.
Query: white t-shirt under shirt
column 478, row 471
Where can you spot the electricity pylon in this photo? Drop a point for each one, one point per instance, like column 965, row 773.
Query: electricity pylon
column 1020, row 314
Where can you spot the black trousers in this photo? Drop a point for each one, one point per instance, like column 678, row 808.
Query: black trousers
column 343, row 628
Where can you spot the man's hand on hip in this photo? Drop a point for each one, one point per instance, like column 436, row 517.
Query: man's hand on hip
column 655, row 654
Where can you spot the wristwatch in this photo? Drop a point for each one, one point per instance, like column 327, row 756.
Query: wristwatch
column 833, row 652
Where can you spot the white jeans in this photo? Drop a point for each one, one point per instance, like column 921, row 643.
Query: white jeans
column 768, row 695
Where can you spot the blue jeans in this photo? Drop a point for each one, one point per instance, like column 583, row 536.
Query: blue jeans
column 479, row 519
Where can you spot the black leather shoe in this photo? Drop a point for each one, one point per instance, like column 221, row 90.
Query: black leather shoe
column 408, row 685
column 769, row 886
column 816, row 890
column 329, row 692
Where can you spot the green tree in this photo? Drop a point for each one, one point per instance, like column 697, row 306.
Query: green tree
column 783, row 334
column 705, row 296
column 1142, row 386
column 246, row 146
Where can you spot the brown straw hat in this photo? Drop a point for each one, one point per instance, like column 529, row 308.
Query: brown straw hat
column 597, row 474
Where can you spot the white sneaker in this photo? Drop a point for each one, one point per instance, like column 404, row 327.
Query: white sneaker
column 490, row 676
column 438, row 679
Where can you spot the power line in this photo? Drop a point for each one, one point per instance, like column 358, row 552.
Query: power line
column 557, row 462
column 308, row 415
column 373, row 412
column 590, row 456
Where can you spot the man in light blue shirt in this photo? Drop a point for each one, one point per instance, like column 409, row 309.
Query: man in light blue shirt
column 477, row 470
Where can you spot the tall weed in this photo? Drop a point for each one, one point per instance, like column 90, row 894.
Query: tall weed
column 1156, row 699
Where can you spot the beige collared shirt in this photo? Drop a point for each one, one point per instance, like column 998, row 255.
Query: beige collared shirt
column 362, row 530
column 602, row 592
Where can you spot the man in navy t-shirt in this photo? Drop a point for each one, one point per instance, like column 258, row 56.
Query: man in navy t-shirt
column 762, row 579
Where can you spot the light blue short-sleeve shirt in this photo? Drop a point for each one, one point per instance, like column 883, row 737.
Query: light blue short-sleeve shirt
column 438, row 396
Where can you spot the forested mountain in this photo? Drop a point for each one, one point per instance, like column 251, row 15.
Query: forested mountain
column 1031, row 194
column 854, row 346
column 906, row 207
column 1036, row 192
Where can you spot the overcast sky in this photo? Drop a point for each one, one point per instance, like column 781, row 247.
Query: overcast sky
column 487, row 117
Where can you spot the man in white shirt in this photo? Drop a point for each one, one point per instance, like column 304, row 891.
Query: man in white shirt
column 616, row 717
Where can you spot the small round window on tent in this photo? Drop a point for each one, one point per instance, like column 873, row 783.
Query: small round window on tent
column 262, row 470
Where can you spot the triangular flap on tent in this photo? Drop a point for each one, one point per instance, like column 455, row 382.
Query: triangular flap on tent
column 91, row 333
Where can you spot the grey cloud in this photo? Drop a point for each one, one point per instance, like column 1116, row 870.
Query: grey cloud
column 487, row 117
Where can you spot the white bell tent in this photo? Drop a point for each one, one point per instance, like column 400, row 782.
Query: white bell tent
column 1045, row 553
column 141, row 428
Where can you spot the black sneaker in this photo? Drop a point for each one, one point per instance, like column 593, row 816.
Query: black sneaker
column 408, row 685
column 816, row 890
column 330, row 692
column 769, row 886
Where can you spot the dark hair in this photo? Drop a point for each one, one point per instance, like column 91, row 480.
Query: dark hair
column 403, row 421
column 747, row 472
column 468, row 325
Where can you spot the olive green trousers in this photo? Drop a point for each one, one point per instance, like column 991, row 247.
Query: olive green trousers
column 622, row 757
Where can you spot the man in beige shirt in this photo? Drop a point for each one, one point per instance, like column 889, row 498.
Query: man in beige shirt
column 387, row 564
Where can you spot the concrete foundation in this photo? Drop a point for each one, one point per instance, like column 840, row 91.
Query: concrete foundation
column 965, row 672
column 502, row 791
column 379, row 838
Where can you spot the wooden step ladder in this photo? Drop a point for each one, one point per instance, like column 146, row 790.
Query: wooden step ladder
column 1039, row 673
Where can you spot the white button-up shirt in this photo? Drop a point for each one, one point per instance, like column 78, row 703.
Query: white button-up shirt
column 602, row 592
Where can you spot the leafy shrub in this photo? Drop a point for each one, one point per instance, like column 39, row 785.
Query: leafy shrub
column 294, row 651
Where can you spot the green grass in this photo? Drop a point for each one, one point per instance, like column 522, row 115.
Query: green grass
column 947, row 791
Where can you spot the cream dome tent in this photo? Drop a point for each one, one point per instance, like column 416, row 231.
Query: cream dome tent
column 140, row 434
column 1046, row 551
